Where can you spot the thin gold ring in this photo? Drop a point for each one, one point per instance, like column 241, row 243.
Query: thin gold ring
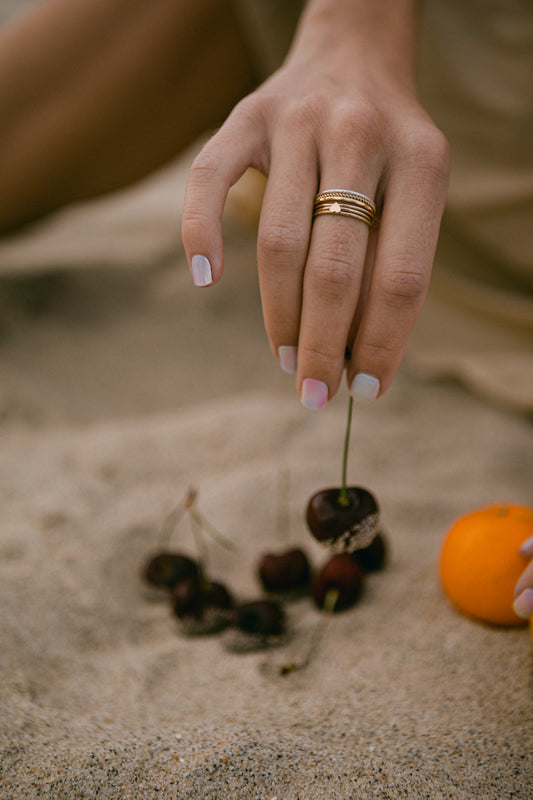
column 345, row 203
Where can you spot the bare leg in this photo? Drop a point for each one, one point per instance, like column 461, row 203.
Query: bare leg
column 95, row 94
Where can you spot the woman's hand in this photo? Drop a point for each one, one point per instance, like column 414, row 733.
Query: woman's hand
column 523, row 603
column 341, row 113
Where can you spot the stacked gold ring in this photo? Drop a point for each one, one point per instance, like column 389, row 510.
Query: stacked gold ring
column 345, row 203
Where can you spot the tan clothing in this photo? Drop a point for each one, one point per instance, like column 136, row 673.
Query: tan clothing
column 476, row 76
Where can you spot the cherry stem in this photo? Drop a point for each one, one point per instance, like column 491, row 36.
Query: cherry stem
column 201, row 549
column 330, row 601
column 343, row 495
column 213, row 532
column 170, row 524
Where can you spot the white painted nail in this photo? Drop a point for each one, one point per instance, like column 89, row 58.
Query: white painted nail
column 314, row 394
column 288, row 356
column 201, row 271
column 364, row 388
column 523, row 604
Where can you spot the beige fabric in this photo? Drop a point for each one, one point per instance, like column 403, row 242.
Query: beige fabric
column 475, row 78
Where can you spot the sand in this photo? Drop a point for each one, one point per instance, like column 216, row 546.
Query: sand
column 121, row 386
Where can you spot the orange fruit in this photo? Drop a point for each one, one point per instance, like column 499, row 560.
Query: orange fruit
column 480, row 563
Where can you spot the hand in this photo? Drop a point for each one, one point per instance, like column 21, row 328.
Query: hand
column 523, row 603
column 341, row 113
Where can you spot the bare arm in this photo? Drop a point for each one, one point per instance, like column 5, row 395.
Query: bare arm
column 96, row 93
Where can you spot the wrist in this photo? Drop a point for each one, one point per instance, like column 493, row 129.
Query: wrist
column 378, row 38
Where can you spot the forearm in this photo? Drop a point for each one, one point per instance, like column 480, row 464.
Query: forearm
column 95, row 94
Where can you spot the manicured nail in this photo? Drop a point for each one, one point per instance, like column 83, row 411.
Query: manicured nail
column 287, row 357
column 523, row 604
column 314, row 394
column 364, row 388
column 526, row 548
column 201, row 271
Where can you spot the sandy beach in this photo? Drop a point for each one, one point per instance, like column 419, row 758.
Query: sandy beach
column 121, row 386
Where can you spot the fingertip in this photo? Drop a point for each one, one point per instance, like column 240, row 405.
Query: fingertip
column 526, row 548
column 314, row 394
column 288, row 358
column 365, row 388
column 523, row 604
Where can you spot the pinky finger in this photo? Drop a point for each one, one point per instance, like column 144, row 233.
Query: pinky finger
column 523, row 602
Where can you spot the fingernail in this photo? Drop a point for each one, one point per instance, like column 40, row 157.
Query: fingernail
column 526, row 548
column 364, row 388
column 201, row 271
column 287, row 357
column 523, row 604
column 314, row 394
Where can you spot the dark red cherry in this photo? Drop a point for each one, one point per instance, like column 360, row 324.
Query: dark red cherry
column 167, row 569
column 260, row 618
column 282, row 572
column 342, row 574
column 188, row 601
column 373, row 557
column 203, row 607
column 215, row 595
column 343, row 526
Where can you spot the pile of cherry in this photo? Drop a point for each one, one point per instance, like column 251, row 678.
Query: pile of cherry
column 345, row 520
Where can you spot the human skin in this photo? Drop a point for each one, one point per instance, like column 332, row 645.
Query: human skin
column 342, row 112
column 95, row 94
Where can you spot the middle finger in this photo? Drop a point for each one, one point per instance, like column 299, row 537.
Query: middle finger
column 332, row 286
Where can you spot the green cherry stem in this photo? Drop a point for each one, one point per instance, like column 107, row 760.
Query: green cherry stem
column 330, row 601
column 343, row 495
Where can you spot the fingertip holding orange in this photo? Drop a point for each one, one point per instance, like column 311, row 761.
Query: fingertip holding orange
column 480, row 561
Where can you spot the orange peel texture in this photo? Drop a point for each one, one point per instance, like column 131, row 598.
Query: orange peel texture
column 480, row 561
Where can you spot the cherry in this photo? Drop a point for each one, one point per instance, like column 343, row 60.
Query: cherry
column 281, row 572
column 260, row 618
column 166, row 569
column 203, row 606
column 373, row 557
column 342, row 574
column 187, row 599
column 346, row 518
column 343, row 520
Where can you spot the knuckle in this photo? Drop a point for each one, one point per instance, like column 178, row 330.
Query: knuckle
column 379, row 353
column 204, row 172
column 427, row 148
column 404, row 285
column 319, row 355
column 333, row 276
column 193, row 222
column 356, row 125
column 204, row 168
column 306, row 112
column 278, row 240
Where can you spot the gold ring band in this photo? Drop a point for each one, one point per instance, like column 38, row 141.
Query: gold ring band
column 345, row 203
column 346, row 194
